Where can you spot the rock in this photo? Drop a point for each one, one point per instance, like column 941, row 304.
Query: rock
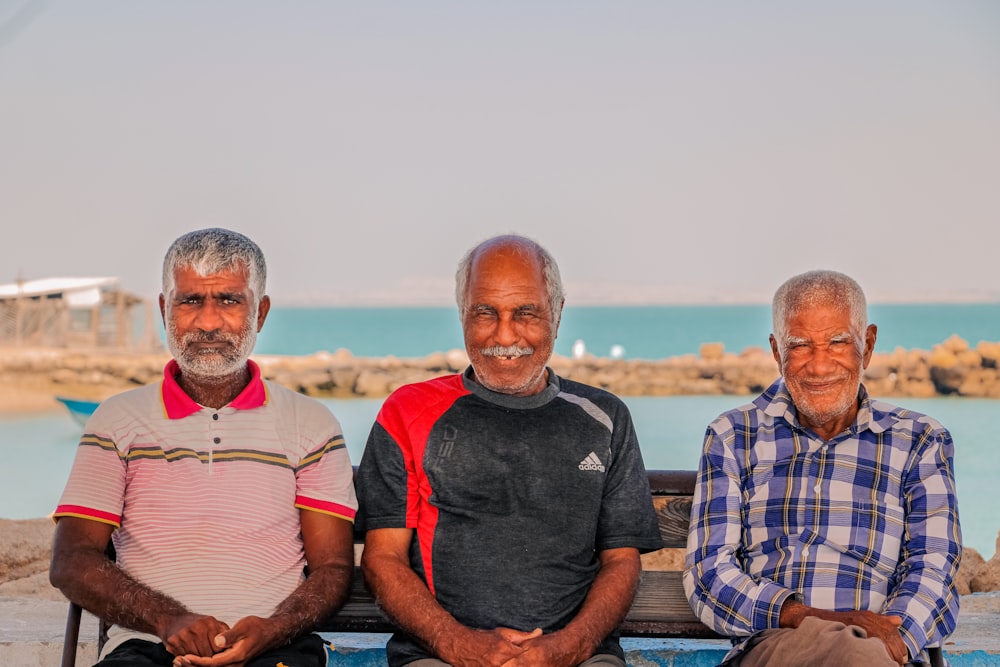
column 986, row 577
column 990, row 354
column 955, row 343
column 971, row 563
column 371, row 383
column 711, row 351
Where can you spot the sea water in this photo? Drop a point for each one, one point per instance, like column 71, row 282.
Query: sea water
column 642, row 332
column 38, row 449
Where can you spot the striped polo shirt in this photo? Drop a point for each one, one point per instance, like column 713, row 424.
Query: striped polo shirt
column 206, row 502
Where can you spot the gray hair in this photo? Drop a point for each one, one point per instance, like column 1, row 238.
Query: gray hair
column 214, row 250
column 522, row 244
column 819, row 288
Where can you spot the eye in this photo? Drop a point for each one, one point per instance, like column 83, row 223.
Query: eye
column 483, row 313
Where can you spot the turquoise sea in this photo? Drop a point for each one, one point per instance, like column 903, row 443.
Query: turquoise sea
column 39, row 448
column 645, row 332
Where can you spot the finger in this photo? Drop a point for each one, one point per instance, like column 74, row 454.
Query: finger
column 516, row 637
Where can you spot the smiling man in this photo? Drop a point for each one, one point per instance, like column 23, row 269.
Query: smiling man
column 824, row 529
column 217, row 487
column 506, row 507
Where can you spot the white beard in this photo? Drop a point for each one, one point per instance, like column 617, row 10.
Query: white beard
column 214, row 364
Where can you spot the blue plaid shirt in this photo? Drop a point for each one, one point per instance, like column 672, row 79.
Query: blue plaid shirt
column 865, row 521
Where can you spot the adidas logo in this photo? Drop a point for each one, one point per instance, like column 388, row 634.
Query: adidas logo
column 591, row 463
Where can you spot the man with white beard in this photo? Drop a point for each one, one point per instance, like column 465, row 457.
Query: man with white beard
column 824, row 526
column 217, row 487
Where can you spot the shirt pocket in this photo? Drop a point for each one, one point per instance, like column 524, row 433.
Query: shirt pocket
column 877, row 535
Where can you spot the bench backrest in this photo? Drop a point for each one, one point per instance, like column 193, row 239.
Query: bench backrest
column 660, row 608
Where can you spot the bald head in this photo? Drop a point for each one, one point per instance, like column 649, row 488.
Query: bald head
column 518, row 246
column 814, row 289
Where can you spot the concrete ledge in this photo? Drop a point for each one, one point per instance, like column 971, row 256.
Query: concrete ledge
column 368, row 650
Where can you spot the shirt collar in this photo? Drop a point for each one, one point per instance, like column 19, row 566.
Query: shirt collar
column 776, row 402
column 177, row 404
column 550, row 391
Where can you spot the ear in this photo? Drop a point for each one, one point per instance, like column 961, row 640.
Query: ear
column 871, row 333
column 163, row 310
column 262, row 310
column 774, row 350
column 558, row 318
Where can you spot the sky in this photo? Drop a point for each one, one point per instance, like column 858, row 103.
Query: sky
column 664, row 152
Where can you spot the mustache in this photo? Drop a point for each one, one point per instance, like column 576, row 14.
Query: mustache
column 507, row 351
column 209, row 337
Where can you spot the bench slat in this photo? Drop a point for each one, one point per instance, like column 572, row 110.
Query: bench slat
column 674, row 515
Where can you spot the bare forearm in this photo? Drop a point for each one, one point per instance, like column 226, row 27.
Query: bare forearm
column 319, row 596
column 406, row 600
column 607, row 602
column 101, row 587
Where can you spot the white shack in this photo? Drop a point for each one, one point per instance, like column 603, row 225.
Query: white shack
column 73, row 313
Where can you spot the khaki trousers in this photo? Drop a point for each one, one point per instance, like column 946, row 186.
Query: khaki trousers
column 815, row 643
column 597, row 660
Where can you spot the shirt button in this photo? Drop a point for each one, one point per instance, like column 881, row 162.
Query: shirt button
column 805, row 551
column 216, row 416
column 216, row 440
column 818, row 488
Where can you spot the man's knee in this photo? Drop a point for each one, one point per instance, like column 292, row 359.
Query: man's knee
column 137, row 653
column 815, row 643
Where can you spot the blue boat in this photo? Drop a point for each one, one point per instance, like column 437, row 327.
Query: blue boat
column 79, row 409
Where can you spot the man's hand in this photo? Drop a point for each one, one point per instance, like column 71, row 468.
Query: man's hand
column 248, row 638
column 483, row 648
column 556, row 649
column 192, row 634
column 884, row 627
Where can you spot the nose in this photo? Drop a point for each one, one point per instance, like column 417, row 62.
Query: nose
column 209, row 317
column 506, row 331
column 821, row 361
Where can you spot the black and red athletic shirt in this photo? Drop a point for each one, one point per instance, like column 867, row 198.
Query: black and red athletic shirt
column 510, row 498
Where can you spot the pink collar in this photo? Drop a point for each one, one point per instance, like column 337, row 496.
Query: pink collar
column 178, row 405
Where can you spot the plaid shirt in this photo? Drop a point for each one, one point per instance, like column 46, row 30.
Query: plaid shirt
column 865, row 521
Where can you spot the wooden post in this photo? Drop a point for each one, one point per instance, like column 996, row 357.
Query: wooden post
column 121, row 326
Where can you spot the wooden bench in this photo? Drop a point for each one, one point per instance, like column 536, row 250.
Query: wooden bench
column 660, row 608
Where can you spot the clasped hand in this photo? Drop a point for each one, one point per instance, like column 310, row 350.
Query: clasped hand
column 506, row 647
column 880, row 626
column 204, row 641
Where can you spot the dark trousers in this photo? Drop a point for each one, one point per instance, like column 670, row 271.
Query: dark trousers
column 306, row 651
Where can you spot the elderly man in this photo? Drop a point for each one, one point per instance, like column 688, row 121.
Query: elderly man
column 217, row 486
column 824, row 529
column 506, row 507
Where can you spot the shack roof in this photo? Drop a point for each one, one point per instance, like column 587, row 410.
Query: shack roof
column 46, row 286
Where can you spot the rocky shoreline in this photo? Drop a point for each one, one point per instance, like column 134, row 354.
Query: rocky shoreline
column 950, row 368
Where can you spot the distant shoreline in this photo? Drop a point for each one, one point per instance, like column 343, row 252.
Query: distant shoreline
column 764, row 302
column 31, row 377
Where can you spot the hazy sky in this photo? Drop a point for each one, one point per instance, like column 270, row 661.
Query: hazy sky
column 663, row 151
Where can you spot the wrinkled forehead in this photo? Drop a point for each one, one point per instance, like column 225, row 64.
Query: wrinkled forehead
column 200, row 276
column 828, row 322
